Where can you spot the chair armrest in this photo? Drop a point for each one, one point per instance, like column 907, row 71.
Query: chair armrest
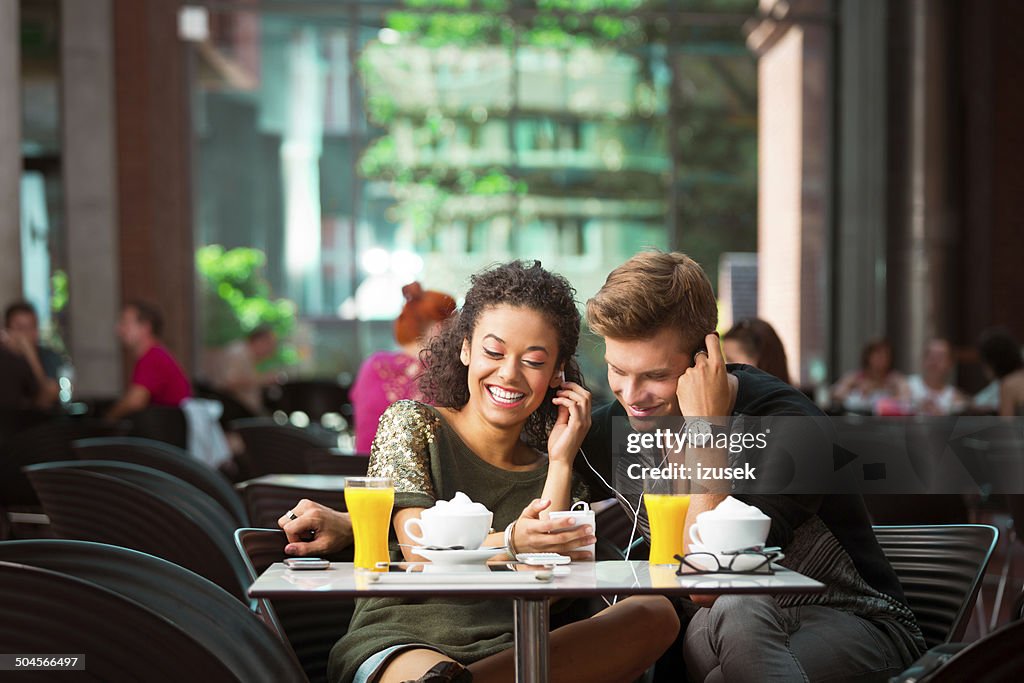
column 929, row 663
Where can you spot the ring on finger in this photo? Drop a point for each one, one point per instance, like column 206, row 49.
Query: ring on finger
column 292, row 515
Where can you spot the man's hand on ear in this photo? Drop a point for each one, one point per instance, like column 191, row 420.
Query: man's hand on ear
column 703, row 390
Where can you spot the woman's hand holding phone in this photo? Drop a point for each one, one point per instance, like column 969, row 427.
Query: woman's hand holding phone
column 563, row 536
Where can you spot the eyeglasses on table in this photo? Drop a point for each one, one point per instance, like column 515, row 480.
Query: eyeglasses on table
column 712, row 563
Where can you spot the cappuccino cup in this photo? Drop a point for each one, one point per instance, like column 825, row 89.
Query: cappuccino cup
column 459, row 521
column 733, row 525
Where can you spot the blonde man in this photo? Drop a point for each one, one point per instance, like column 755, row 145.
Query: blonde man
column 657, row 313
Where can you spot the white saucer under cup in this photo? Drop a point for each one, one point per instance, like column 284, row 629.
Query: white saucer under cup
column 453, row 557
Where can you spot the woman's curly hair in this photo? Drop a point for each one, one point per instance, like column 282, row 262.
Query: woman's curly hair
column 445, row 380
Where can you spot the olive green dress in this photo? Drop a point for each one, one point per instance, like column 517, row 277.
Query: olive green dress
column 428, row 462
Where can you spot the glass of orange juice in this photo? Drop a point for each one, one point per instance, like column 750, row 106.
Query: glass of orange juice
column 369, row 501
column 666, row 514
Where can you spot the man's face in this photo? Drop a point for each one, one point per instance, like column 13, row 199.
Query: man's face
column 25, row 325
column 130, row 330
column 264, row 346
column 938, row 359
column 643, row 373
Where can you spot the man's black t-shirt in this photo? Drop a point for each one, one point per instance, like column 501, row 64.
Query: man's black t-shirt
column 760, row 394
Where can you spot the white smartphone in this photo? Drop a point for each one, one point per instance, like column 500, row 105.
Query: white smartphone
column 543, row 558
column 307, row 563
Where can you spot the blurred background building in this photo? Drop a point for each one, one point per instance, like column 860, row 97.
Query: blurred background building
column 844, row 169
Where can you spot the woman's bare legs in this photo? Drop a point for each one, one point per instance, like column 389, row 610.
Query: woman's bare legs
column 410, row 665
column 617, row 644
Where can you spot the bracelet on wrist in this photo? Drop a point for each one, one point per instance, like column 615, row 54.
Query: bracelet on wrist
column 510, row 532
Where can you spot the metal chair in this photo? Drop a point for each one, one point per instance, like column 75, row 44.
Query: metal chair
column 166, row 458
column 272, row 448
column 160, row 423
column 921, row 509
column 200, row 608
column 996, row 658
column 1015, row 505
column 311, row 628
column 940, row 568
column 39, row 438
column 119, row 638
column 332, row 461
column 266, row 502
column 233, row 409
column 143, row 509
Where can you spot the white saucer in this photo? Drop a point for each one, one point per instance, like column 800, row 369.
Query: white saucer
column 742, row 563
column 458, row 556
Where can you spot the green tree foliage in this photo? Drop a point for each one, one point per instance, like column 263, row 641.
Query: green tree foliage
column 711, row 95
column 58, row 291
column 236, row 297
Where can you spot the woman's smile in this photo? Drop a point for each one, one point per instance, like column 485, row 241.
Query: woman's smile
column 511, row 361
column 505, row 397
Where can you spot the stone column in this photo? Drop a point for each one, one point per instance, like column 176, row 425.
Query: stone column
column 153, row 159
column 792, row 43
column 858, row 302
column 10, row 151
column 90, row 194
column 923, row 205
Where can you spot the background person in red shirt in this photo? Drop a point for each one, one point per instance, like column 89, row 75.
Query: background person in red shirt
column 157, row 378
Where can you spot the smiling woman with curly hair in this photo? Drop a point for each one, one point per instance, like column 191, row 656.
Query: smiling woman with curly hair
column 518, row 284
column 511, row 414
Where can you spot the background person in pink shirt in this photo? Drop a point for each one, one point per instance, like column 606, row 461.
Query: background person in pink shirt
column 157, row 378
column 389, row 376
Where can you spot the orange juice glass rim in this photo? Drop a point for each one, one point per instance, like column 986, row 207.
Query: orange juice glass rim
column 368, row 482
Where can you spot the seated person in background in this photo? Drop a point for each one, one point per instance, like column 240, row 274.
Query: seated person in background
column 389, row 376
column 931, row 392
column 19, row 387
column 157, row 378
column 237, row 374
column 512, row 419
column 754, row 342
column 1001, row 355
column 21, row 336
column 875, row 384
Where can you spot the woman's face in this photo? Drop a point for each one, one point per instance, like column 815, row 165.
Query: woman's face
column 735, row 353
column 880, row 360
column 512, row 361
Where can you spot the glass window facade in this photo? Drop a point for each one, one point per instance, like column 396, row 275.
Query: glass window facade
column 362, row 145
column 43, row 248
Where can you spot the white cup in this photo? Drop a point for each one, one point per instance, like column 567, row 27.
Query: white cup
column 718, row 533
column 446, row 528
column 583, row 515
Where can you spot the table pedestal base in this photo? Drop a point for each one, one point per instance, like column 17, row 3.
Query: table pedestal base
column 531, row 640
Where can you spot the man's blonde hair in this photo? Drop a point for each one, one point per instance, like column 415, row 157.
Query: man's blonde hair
column 652, row 291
